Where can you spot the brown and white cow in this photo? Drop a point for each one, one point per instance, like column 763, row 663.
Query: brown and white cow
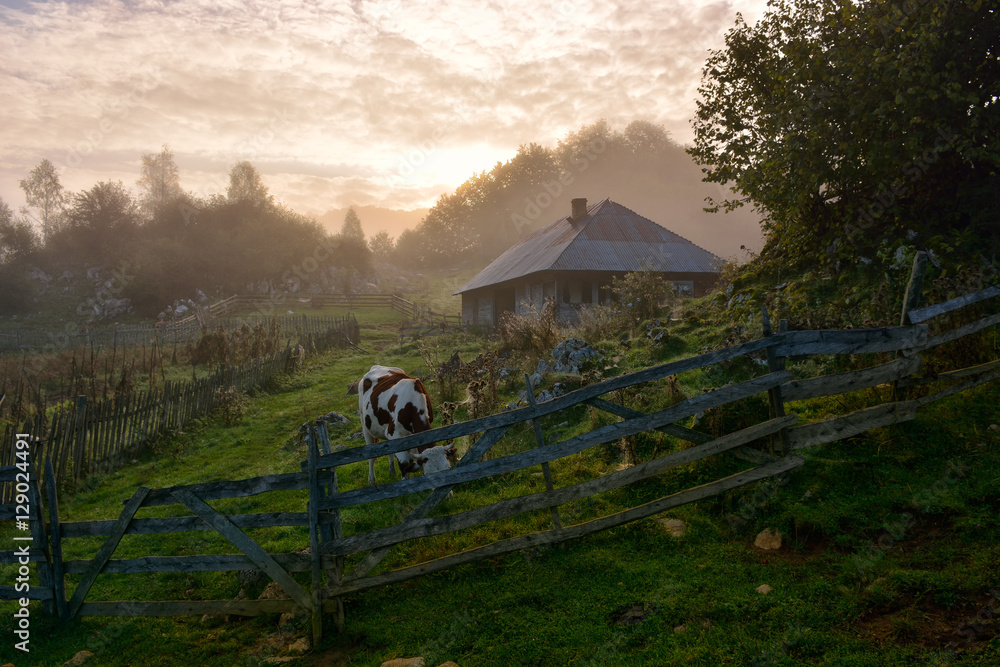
column 394, row 405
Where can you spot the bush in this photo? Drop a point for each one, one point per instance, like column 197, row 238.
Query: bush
column 536, row 333
column 232, row 404
column 640, row 293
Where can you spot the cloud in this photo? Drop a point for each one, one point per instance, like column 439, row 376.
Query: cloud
column 327, row 98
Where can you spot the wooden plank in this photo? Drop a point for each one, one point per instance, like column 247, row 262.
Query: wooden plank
column 850, row 341
column 684, row 433
column 776, row 402
column 186, row 523
column 203, row 563
column 558, row 450
column 33, row 593
column 551, row 537
column 961, row 332
column 108, row 548
column 291, row 481
column 923, row 314
column 514, row 506
column 950, row 375
column 240, row 540
column 841, row 383
column 474, row 454
column 189, row 608
column 839, row 428
column 575, row 397
column 316, row 565
column 958, row 388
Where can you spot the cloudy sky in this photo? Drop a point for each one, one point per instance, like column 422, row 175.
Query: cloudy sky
column 387, row 102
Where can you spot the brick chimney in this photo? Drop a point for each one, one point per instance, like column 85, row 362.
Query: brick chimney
column 579, row 209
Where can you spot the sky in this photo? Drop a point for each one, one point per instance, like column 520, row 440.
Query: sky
column 384, row 103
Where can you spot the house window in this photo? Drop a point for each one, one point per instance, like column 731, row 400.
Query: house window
column 683, row 287
column 586, row 292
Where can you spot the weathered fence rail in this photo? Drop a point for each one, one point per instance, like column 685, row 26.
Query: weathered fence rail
column 329, row 517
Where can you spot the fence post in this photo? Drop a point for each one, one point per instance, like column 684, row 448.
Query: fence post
column 910, row 300
column 316, row 556
column 540, row 440
column 79, row 437
column 774, row 364
column 55, row 538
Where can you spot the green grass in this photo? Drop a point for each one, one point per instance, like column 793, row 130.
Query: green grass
column 891, row 544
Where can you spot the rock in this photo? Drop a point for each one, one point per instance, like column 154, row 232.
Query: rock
column 558, row 389
column 764, row 589
column 572, row 355
column 543, row 367
column 680, row 629
column 675, row 527
column 404, row 662
column 995, row 427
column 768, row 540
column 535, row 379
column 300, row 646
column 545, row 395
column 79, row 659
column 273, row 592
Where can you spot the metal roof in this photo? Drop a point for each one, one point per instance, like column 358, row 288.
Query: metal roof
column 610, row 238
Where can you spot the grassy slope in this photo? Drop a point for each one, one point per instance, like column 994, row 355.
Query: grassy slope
column 613, row 599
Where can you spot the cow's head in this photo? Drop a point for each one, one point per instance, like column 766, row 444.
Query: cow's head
column 437, row 459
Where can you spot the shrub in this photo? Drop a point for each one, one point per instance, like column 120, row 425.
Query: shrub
column 640, row 293
column 232, row 404
column 536, row 333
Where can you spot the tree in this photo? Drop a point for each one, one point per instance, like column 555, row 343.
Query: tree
column 160, row 181
column 351, row 229
column 44, row 192
column 101, row 224
column 857, row 127
column 246, row 186
column 381, row 245
column 17, row 238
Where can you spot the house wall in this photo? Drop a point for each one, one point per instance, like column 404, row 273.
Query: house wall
column 568, row 290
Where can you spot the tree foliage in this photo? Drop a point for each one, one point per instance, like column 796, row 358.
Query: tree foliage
column 858, row 127
column 44, row 192
column 351, row 229
column 160, row 182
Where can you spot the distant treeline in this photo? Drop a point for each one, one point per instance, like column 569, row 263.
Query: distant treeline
column 166, row 244
column 641, row 167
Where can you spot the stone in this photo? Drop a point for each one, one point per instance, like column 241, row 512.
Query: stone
column 768, row 540
column 543, row 367
column 80, row 658
column 680, row 629
column 572, row 355
column 995, row 427
column 273, row 592
column 535, row 379
column 404, row 662
column 300, row 646
column 763, row 589
column 675, row 527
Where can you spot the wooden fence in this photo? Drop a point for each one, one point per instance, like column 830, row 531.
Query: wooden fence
column 104, row 435
column 268, row 304
column 328, row 517
column 185, row 331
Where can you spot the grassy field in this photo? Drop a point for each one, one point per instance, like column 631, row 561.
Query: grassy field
column 890, row 545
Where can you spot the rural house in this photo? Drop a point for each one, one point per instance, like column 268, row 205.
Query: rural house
column 573, row 260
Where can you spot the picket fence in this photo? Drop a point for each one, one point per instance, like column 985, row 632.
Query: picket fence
column 104, row 435
column 327, row 515
column 184, row 331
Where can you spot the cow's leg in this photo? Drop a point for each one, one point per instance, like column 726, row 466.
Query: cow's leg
column 371, row 462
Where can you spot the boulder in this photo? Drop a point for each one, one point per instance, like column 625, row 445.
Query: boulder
column 572, row 355
column 768, row 540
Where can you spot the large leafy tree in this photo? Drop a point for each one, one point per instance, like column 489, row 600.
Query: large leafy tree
column 45, row 194
column 246, row 187
column 101, row 225
column 858, row 126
